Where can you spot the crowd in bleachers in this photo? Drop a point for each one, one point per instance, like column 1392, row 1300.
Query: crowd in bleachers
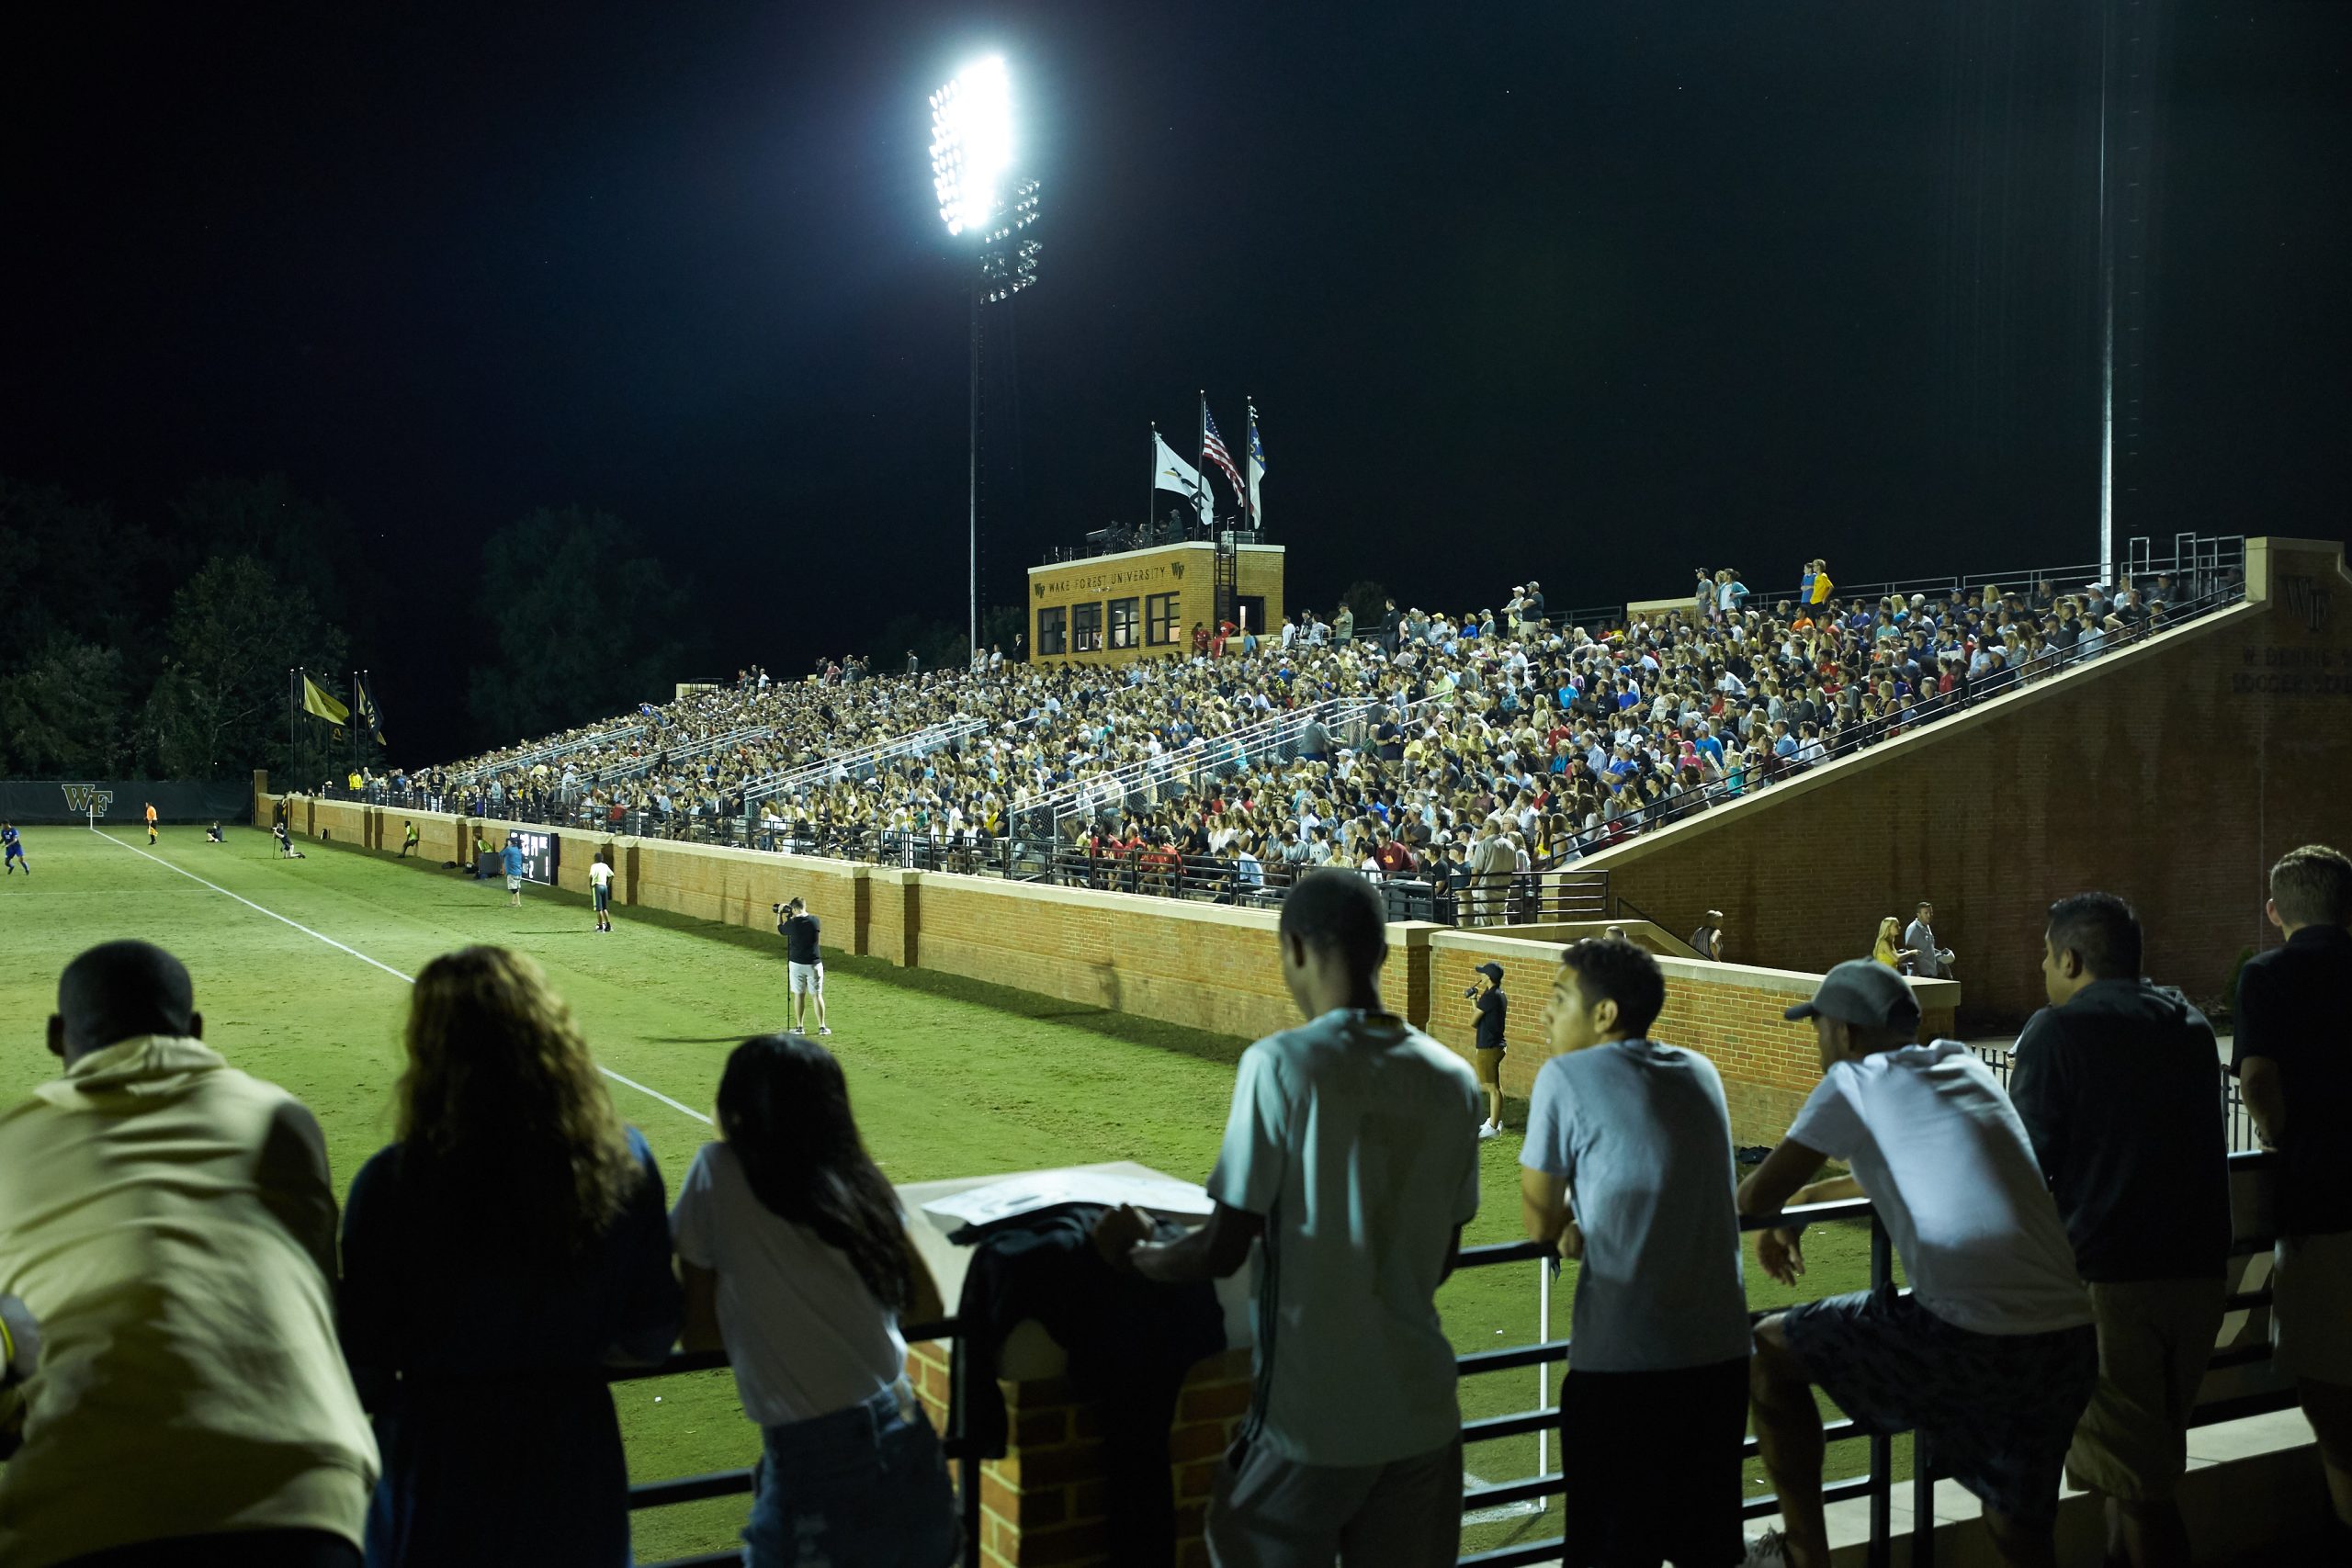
column 199, row 1366
column 1432, row 747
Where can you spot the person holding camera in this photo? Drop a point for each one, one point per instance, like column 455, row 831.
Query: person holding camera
column 799, row 928
column 1486, row 994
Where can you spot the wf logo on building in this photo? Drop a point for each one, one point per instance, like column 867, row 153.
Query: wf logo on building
column 83, row 800
column 2306, row 597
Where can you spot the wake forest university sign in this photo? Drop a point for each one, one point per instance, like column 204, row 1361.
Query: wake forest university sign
column 1136, row 576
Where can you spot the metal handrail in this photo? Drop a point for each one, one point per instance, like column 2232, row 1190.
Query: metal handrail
column 956, row 1443
column 548, row 752
column 1877, row 1482
column 922, row 743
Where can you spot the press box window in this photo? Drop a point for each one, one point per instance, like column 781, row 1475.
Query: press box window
column 1122, row 621
column 1086, row 628
column 1159, row 620
column 1050, row 622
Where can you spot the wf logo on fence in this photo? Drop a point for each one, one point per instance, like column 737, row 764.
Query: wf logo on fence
column 83, row 799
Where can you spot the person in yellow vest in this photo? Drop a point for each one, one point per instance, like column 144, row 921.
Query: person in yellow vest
column 150, row 821
column 171, row 1229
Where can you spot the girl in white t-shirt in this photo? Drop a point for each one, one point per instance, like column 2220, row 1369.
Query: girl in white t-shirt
column 796, row 1261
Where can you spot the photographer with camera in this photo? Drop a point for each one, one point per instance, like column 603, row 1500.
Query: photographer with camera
column 1486, row 993
column 798, row 928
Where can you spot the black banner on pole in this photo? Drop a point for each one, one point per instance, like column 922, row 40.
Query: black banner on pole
column 23, row 801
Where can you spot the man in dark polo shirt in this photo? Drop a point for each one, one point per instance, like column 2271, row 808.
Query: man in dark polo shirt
column 2118, row 1083
column 2294, row 1058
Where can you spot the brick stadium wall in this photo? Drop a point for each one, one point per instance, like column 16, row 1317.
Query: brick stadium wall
column 2172, row 773
column 1730, row 1012
column 1201, row 965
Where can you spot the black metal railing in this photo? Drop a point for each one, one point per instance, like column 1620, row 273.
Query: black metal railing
column 1876, row 1483
column 2237, row 1122
column 956, row 1442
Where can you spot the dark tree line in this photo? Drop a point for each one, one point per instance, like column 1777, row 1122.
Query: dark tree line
column 159, row 645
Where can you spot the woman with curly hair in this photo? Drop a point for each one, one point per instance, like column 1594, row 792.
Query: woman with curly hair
column 508, row 1247
column 798, row 1264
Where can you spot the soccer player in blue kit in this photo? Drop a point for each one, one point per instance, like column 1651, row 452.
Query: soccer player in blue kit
column 16, row 849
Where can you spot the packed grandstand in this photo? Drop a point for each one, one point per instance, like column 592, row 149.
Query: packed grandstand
column 1460, row 753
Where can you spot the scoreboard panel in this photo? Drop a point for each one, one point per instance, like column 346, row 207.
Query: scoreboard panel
column 540, row 852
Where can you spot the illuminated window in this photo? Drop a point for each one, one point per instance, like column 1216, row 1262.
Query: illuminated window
column 1050, row 638
column 1086, row 628
column 1122, row 621
column 1159, row 620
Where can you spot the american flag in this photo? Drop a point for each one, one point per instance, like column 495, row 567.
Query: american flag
column 1212, row 451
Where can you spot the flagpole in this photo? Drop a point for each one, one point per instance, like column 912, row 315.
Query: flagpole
column 293, row 700
column 1250, row 460
column 1151, row 496
column 1201, row 460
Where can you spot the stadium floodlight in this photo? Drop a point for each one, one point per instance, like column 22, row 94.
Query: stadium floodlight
column 971, row 169
column 971, row 143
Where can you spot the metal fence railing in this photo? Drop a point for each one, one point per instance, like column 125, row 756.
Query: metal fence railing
column 1876, row 1483
column 2237, row 1122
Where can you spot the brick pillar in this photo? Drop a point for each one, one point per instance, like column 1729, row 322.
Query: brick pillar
column 1045, row 1502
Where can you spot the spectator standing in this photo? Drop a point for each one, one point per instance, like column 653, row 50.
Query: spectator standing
column 1991, row 1355
column 1531, row 611
column 2296, row 1068
column 2116, row 1082
column 1707, row 942
column 805, row 965
column 511, row 859
column 798, row 1264
column 191, row 1405
column 1493, row 1009
column 508, row 1247
column 1884, row 950
column 600, row 889
column 1929, row 959
column 1818, row 588
column 1349, row 1148
column 1628, row 1166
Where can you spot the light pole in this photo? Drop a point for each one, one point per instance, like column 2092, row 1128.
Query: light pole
column 971, row 167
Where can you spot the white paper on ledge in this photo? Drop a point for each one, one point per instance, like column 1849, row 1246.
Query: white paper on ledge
column 1047, row 1189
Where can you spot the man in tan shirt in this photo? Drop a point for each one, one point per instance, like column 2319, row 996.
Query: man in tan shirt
column 170, row 1224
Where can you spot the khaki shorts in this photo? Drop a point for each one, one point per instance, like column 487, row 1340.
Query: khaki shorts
column 1266, row 1512
column 1490, row 1065
column 2311, row 1309
column 2155, row 1339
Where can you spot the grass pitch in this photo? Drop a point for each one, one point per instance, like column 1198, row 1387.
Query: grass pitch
column 950, row 1077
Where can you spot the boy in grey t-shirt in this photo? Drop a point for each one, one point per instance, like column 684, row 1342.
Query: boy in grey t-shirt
column 1628, row 1164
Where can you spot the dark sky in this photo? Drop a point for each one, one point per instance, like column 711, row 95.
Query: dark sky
column 1590, row 293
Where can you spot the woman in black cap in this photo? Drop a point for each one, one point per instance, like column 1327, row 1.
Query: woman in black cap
column 1493, row 1008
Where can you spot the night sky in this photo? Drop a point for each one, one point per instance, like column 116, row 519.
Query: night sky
column 1589, row 293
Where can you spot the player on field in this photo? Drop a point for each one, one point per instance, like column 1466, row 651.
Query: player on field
column 150, row 821
column 799, row 929
column 15, row 855
column 514, row 872
column 600, row 891
column 212, row 834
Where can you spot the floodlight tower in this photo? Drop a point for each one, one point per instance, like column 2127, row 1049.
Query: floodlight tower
column 979, row 195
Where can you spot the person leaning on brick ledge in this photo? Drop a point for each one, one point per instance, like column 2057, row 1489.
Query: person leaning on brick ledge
column 1351, row 1151
column 2115, row 1083
column 2296, row 1066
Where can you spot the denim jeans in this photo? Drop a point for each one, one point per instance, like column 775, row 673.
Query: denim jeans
column 865, row 1487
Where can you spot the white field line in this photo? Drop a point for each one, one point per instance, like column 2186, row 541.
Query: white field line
column 363, row 958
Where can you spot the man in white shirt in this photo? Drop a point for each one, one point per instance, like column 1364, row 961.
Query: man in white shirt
column 1351, row 1151
column 1990, row 1355
column 600, row 891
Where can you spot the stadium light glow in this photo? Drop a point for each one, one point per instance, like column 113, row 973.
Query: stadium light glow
column 971, row 143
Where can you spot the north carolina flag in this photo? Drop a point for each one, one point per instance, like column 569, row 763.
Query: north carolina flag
column 1257, row 464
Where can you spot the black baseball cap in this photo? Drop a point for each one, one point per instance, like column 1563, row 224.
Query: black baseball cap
column 1863, row 992
column 1492, row 971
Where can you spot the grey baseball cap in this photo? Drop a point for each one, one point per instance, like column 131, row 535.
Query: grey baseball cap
column 1863, row 992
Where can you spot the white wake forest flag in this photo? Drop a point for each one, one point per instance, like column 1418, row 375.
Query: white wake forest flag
column 1172, row 472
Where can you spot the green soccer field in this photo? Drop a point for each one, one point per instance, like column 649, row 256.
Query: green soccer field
column 950, row 1077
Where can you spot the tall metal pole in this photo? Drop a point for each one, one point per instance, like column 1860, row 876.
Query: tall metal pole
column 975, row 469
column 2106, row 321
